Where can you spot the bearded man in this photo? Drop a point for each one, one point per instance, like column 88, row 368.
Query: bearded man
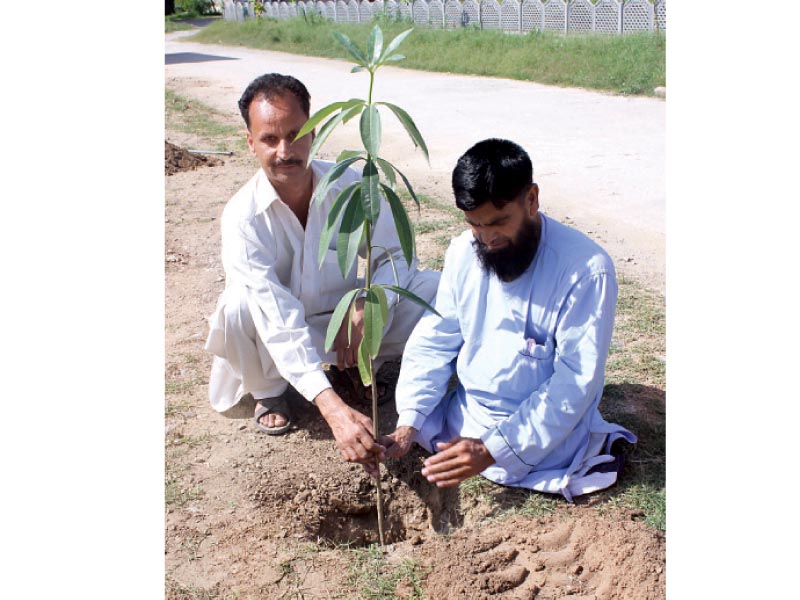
column 526, row 311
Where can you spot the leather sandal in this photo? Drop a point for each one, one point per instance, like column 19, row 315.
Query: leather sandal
column 273, row 405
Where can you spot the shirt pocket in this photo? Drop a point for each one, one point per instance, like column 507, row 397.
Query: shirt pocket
column 533, row 366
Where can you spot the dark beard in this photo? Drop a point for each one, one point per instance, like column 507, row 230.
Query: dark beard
column 510, row 262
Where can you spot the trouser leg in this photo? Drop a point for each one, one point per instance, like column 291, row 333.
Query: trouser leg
column 242, row 366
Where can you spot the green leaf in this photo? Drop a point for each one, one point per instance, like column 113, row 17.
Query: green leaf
column 394, row 58
column 381, row 294
column 328, row 128
column 334, row 173
column 350, row 233
column 410, row 127
column 413, row 297
column 333, row 216
column 345, row 154
column 388, row 172
column 357, row 69
column 370, row 192
column 371, row 130
column 363, row 364
column 373, row 323
column 354, row 50
column 338, row 315
column 393, row 45
column 318, row 116
column 375, row 44
column 405, row 232
column 349, row 116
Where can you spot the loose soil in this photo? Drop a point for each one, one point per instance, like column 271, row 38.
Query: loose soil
column 252, row 516
column 179, row 159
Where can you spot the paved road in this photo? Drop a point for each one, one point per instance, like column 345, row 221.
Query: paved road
column 599, row 159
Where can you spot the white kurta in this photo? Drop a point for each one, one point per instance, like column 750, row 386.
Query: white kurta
column 269, row 327
column 530, row 357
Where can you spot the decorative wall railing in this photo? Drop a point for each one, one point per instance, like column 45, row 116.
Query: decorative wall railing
column 566, row 16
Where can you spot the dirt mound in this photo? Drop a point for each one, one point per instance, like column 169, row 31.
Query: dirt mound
column 176, row 159
column 578, row 558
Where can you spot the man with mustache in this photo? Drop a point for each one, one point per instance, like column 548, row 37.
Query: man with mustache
column 268, row 330
column 527, row 311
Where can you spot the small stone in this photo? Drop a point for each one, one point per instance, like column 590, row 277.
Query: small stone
column 416, row 540
column 242, row 427
column 660, row 91
column 539, row 566
column 577, row 570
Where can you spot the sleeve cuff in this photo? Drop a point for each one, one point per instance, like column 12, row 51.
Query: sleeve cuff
column 410, row 418
column 503, row 455
column 311, row 384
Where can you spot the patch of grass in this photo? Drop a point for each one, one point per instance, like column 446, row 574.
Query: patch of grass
column 624, row 64
column 181, row 387
column 208, row 124
column 476, row 490
column 638, row 348
column 191, row 543
column 175, row 493
column 649, row 499
column 534, row 505
column 504, row 502
column 173, row 408
column 423, row 227
column 178, row 591
column 372, row 577
column 190, row 441
column 435, row 264
column 175, row 24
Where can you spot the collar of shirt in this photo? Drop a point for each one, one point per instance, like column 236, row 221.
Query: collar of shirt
column 266, row 194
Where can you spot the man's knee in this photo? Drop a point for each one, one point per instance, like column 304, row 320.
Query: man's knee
column 425, row 284
column 236, row 312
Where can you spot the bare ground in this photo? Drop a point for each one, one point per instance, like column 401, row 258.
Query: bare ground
column 252, row 516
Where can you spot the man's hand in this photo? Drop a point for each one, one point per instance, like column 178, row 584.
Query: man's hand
column 458, row 459
column 347, row 354
column 398, row 443
column 351, row 429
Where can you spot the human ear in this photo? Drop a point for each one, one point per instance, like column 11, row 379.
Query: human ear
column 250, row 143
column 532, row 200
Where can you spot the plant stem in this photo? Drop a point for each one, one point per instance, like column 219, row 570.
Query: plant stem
column 378, row 486
column 374, row 388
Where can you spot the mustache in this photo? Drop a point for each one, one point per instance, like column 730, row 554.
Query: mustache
column 289, row 162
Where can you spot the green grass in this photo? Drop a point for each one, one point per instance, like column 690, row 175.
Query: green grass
column 178, row 591
column 372, row 577
column 629, row 64
column 211, row 127
column 175, row 24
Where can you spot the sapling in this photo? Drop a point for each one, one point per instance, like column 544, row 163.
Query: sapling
column 357, row 207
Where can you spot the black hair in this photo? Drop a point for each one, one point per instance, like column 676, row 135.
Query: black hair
column 270, row 86
column 493, row 170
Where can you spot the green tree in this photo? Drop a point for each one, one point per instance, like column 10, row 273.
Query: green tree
column 356, row 209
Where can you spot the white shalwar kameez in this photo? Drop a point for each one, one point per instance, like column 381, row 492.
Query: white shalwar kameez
column 530, row 357
column 269, row 326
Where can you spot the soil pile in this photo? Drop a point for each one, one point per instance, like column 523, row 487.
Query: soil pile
column 176, row 159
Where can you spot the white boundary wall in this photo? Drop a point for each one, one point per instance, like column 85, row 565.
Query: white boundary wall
column 511, row 16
